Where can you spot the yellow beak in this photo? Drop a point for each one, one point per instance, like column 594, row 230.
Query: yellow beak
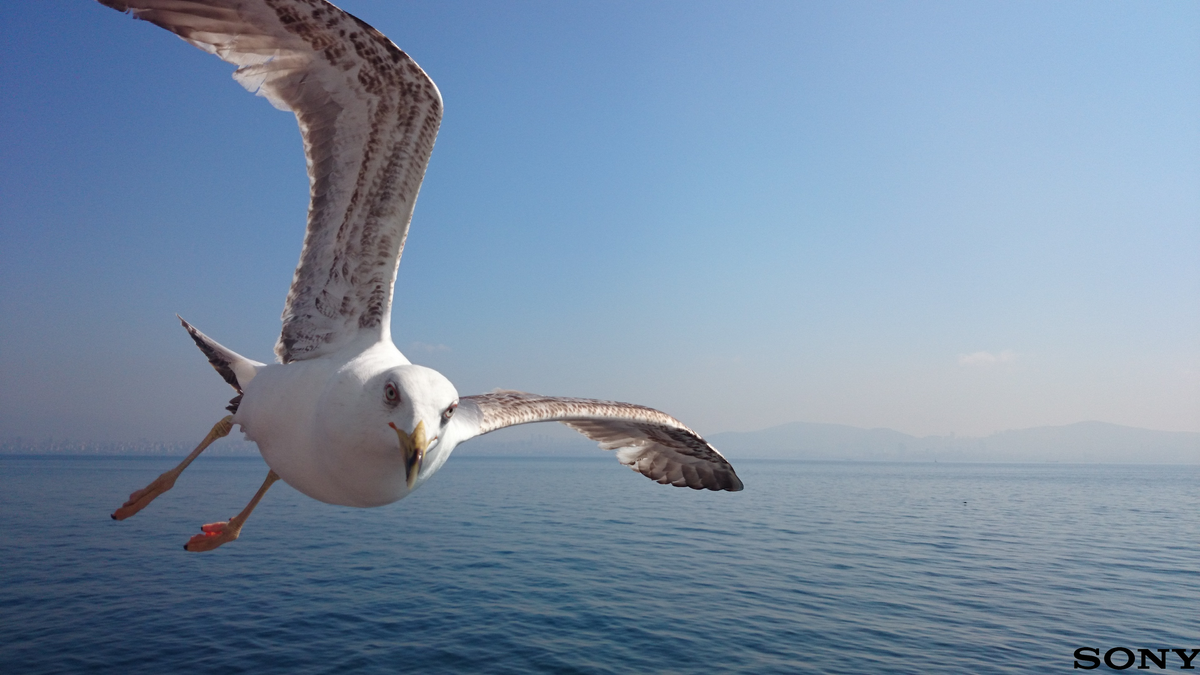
column 413, row 447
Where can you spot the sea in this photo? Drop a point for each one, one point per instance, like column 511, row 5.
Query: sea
column 544, row 565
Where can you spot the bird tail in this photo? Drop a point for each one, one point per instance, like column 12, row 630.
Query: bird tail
column 234, row 368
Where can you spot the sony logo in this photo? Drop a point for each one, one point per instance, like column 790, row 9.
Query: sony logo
column 1120, row 658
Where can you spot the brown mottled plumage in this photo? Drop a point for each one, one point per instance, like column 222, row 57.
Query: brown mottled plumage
column 650, row 442
column 368, row 115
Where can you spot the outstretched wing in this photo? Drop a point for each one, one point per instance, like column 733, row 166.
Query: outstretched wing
column 368, row 115
column 650, row 442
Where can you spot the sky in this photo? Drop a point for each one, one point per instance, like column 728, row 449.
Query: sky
column 934, row 217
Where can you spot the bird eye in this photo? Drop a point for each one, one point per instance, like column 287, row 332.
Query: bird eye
column 391, row 393
column 449, row 412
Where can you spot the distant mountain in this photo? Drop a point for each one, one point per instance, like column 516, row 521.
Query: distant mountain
column 1081, row 442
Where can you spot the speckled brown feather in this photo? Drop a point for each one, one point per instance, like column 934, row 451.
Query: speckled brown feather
column 649, row 441
column 368, row 116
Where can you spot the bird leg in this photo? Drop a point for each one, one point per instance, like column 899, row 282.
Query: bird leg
column 142, row 498
column 215, row 534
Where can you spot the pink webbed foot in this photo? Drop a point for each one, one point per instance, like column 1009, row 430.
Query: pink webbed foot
column 213, row 535
column 142, row 498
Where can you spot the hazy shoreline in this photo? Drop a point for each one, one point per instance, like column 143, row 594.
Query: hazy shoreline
column 1080, row 443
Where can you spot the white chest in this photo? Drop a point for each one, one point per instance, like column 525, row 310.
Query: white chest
column 304, row 419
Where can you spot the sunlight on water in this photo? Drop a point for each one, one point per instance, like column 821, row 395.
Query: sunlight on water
column 561, row 566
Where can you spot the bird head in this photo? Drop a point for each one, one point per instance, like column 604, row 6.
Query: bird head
column 418, row 404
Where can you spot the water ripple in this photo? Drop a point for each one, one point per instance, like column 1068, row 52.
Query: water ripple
column 510, row 566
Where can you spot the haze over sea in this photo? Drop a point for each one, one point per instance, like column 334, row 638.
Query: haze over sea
column 570, row 565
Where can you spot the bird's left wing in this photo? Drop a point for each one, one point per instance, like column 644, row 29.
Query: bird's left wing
column 368, row 115
column 650, row 442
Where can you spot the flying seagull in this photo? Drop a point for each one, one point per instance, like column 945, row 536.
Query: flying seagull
column 343, row 416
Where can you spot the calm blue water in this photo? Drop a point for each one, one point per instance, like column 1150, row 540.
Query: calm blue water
column 581, row 566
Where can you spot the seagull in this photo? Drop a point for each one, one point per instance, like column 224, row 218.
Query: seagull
column 343, row 416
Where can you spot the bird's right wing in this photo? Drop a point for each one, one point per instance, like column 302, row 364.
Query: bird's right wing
column 368, row 115
column 648, row 441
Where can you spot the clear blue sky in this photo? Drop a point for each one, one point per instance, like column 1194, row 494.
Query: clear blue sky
column 936, row 217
